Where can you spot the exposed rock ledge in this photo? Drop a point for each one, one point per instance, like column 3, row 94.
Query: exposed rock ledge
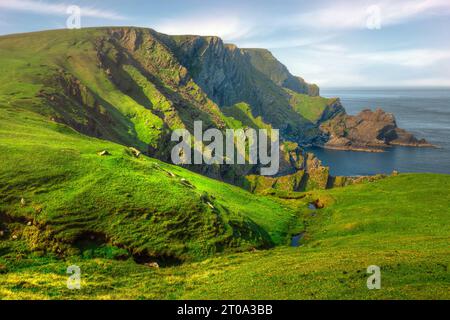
column 311, row 175
column 369, row 131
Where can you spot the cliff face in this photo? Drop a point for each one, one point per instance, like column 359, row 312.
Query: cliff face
column 229, row 75
column 266, row 63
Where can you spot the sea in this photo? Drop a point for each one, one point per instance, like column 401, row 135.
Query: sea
column 423, row 111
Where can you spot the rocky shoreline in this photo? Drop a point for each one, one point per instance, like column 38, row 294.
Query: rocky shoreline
column 350, row 148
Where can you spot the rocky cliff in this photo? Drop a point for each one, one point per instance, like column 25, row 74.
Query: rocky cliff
column 266, row 63
column 229, row 75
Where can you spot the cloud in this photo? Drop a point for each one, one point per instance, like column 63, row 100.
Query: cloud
column 345, row 67
column 56, row 9
column 356, row 15
column 277, row 42
column 413, row 58
column 228, row 27
column 248, row 27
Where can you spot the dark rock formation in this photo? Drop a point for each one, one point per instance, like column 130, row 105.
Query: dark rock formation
column 368, row 131
column 332, row 110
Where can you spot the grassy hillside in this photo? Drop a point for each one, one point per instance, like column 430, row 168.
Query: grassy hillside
column 403, row 230
column 240, row 116
column 119, row 84
column 133, row 86
column 311, row 108
column 54, row 179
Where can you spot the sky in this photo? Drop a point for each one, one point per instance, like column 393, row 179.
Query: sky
column 334, row 43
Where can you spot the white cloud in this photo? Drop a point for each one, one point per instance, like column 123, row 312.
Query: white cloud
column 228, row 27
column 56, row 9
column 356, row 14
column 292, row 42
column 414, row 58
column 347, row 67
column 329, row 47
column 246, row 27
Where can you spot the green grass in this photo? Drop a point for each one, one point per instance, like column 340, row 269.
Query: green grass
column 311, row 108
column 142, row 205
column 102, row 85
column 405, row 232
column 127, row 95
column 240, row 116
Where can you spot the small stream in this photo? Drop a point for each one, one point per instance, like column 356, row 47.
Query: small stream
column 295, row 241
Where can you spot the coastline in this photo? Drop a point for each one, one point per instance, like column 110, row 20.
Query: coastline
column 374, row 149
column 348, row 148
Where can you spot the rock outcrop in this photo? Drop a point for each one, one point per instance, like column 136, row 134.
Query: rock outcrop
column 369, row 131
column 310, row 175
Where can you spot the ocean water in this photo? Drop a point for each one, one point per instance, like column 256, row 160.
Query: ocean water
column 422, row 111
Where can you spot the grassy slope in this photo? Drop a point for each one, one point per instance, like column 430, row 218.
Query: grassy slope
column 127, row 104
column 67, row 186
column 311, row 108
column 240, row 116
column 30, row 60
column 403, row 230
column 136, row 203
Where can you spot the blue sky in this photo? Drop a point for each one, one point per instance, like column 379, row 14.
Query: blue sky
column 332, row 43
